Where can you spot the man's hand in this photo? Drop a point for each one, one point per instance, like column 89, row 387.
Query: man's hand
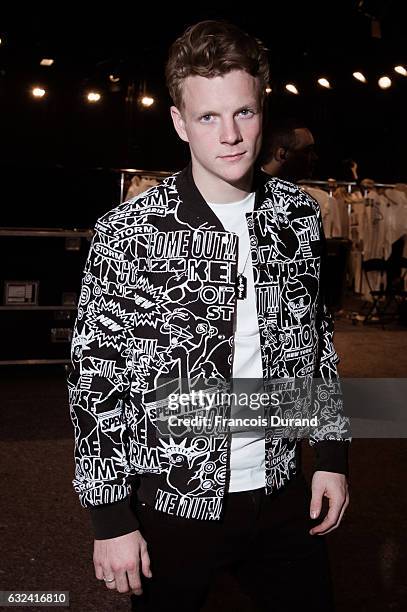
column 119, row 558
column 335, row 488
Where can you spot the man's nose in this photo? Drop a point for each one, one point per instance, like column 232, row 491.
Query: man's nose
column 230, row 132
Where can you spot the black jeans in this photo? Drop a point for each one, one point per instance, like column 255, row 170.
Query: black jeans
column 263, row 539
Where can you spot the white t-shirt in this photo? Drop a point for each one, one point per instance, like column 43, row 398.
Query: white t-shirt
column 247, row 452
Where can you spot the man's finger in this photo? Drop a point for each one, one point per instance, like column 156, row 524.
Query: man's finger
column 316, row 501
column 134, row 581
column 108, row 574
column 121, row 582
column 345, row 505
column 99, row 571
column 145, row 562
column 331, row 518
column 338, row 522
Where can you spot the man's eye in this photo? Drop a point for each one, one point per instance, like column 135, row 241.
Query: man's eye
column 206, row 118
column 246, row 112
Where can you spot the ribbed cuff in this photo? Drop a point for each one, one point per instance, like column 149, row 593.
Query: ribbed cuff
column 332, row 456
column 113, row 520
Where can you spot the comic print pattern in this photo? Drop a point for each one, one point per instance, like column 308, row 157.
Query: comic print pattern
column 156, row 316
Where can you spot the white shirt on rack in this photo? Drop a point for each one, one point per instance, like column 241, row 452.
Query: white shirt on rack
column 330, row 211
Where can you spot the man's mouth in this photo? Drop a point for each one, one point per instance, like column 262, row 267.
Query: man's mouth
column 233, row 156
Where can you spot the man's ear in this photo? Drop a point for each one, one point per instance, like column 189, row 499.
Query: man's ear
column 281, row 154
column 179, row 123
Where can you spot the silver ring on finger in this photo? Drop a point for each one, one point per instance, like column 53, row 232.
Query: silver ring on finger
column 109, row 580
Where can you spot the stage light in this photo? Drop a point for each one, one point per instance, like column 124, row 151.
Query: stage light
column 46, row 62
column 360, row 77
column 147, row 101
column 268, row 89
column 400, row 70
column 93, row 96
column 384, row 82
column 292, row 88
column 324, row 83
column 113, row 78
column 38, row 92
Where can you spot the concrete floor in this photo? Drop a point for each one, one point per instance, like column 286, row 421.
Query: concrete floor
column 45, row 535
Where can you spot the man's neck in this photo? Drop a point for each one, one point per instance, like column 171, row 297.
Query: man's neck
column 216, row 189
column 273, row 168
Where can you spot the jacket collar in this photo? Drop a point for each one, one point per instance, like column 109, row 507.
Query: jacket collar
column 193, row 207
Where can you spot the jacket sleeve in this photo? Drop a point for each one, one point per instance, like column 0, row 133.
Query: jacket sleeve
column 331, row 438
column 99, row 383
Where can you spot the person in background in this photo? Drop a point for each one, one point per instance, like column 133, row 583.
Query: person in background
column 288, row 150
column 140, row 183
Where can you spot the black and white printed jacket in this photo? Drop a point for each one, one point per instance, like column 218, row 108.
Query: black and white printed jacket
column 158, row 300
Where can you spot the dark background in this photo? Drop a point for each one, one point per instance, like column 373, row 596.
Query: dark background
column 57, row 151
column 54, row 170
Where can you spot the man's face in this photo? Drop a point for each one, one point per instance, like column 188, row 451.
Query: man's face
column 300, row 161
column 221, row 120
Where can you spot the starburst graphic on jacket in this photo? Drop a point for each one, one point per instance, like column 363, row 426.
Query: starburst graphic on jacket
column 141, row 370
column 150, row 303
column 110, row 323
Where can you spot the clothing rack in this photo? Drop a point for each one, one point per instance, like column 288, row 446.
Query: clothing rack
column 332, row 184
column 332, row 181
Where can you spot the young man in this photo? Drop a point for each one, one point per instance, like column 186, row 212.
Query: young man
column 197, row 280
